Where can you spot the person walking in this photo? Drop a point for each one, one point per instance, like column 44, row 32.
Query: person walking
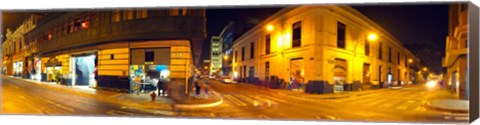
column 160, row 87
column 197, row 86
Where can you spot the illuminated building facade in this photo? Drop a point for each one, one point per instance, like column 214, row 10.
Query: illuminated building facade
column 16, row 50
column 455, row 59
column 216, row 56
column 109, row 49
column 334, row 44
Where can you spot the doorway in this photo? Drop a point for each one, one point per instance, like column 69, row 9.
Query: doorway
column 84, row 70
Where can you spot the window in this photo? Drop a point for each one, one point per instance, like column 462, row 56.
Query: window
column 406, row 60
column 85, row 23
column 178, row 12
column 128, row 15
column 380, row 74
column 243, row 53
column 297, row 34
column 49, row 37
column 389, row 54
column 77, row 24
column 340, row 35
column 367, row 48
column 252, row 49
column 398, row 58
column 267, row 44
column 142, row 13
column 117, row 16
column 380, row 51
column 149, row 55
column 235, row 58
column 267, row 70
column 112, row 56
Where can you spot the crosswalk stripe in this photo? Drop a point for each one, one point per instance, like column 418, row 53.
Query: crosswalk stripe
column 234, row 100
column 275, row 99
column 392, row 102
column 378, row 101
column 252, row 101
column 405, row 105
column 362, row 101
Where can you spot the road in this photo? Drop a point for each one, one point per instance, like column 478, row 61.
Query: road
column 20, row 97
column 393, row 105
column 241, row 101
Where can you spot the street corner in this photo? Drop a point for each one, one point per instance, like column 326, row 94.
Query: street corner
column 449, row 105
column 207, row 101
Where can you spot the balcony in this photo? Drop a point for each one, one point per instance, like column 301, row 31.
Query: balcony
column 452, row 55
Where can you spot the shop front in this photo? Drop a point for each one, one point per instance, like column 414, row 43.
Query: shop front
column 83, row 70
column 148, row 66
column 340, row 75
column 17, row 68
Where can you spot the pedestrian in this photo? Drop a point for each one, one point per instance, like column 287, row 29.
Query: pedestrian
column 137, row 83
column 160, row 87
column 197, row 86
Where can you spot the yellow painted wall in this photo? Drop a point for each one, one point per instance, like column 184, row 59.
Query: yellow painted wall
column 118, row 66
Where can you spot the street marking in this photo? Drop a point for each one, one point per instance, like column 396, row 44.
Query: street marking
column 263, row 116
column 273, row 98
column 234, row 100
column 60, row 106
column 326, row 116
column 404, row 106
column 116, row 112
column 14, row 86
column 254, row 102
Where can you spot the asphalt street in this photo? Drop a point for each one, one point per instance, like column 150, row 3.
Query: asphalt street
column 242, row 101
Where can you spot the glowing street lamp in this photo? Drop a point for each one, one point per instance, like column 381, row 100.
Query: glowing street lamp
column 372, row 37
column 269, row 27
column 410, row 60
column 425, row 68
column 225, row 57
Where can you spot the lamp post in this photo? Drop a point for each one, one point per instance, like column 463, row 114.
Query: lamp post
column 371, row 37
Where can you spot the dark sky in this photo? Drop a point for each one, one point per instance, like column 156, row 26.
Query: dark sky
column 411, row 24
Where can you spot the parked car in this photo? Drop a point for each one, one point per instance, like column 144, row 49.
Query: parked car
column 226, row 79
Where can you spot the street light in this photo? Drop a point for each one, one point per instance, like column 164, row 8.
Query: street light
column 269, row 27
column 410, row 60
column 225, row 57
column 371, row 37
column 425, row 68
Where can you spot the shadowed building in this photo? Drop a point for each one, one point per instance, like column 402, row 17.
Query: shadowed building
column 455, row 59
column 333, row 45
column 108, row 49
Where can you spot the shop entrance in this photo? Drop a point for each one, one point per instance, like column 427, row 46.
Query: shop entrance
column 148, row 66
column 54, row 72
column 296, row 72
column 17, row 68
column 340, row 74
column 83, row 70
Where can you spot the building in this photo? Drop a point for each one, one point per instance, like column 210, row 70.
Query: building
column 15, row 61
column 331, row 44
column 455, row 59
column 229, row 33
column 206, row 67
column 108, row 49
column 216, row 56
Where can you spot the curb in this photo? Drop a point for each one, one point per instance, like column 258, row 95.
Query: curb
column 429, row 105
column 196, row 106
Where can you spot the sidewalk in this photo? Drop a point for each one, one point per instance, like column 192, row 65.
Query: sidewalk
column 451, row 105
column 133, row 100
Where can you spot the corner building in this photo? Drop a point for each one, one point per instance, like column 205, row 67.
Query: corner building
column 334, row 44
column 108, row 49
column 455, row 59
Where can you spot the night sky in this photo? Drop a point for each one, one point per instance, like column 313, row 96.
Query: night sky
column 411, row 24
